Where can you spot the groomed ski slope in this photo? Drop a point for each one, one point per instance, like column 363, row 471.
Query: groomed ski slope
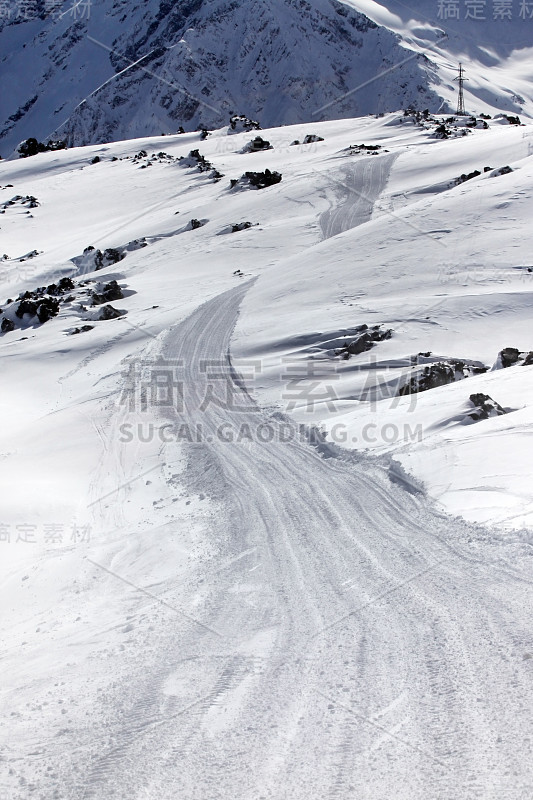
column 359, row 186
column 340, row 640
column 266, row 617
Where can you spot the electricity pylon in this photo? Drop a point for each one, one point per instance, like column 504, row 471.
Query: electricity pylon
column 461, row 101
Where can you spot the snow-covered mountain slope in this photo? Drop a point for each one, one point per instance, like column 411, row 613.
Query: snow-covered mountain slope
column 493, row 40
column 108, row 71
column 199, row 601
column 201, row 61
column 448, row 270
column 446, row 267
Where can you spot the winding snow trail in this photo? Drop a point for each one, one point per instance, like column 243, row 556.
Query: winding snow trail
column 350, row 643
column 362, row 183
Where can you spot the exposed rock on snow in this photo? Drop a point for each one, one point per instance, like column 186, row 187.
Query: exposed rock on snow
column 63, row 286
column 485, row 407
column 440, row 373
column 105, row 294
column 239, row 123
column 236, row 227
column 500, row 171
column 257, row 180
column 29, row 201
column 93, row 259
column 108, row 312
column 27, row 256
column 194, row 224
column 365, row 149
column 364, row 341
column 196, row 159
column 44, row 309
column 31, row 147
column 511, row 356
column 310, row 138
column 511, row 120
column 39, row 305
column 468, row 176
column 257, row 145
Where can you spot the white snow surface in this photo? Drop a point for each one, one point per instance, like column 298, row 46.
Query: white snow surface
column 242, row 618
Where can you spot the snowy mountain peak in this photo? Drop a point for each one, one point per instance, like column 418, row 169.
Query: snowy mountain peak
column 126, row 69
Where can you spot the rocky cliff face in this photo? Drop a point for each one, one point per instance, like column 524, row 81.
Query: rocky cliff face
column 129, row 69
column 113, row 69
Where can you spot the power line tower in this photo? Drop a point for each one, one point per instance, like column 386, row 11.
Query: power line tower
column 461, row 101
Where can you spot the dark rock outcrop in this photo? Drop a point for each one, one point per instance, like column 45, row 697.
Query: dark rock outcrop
column 467, row 177
column 442, row 132
column 109, row 292
column 108, row 312
column 83, row 329
column 440, row 373
column 511, row 120
column 63, row 286
column 364, row 340
column 47, row 308
column 194, row 224
column 196, row 159
column 511, row 356
column 258, row 180
column 310, row 138
column 239, row 122
column 26, row 307
column 31, row 147
column 43, row 308
column 93, row 259
column 501, row 171
column 368, row 149
column 257, row 145
column 43, row 302
column 484, row 407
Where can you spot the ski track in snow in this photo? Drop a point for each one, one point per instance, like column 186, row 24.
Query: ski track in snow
column 341, row 639
column 361, row 185
column 353, row 643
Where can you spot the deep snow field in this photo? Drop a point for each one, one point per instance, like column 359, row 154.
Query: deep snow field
column 347, row 238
